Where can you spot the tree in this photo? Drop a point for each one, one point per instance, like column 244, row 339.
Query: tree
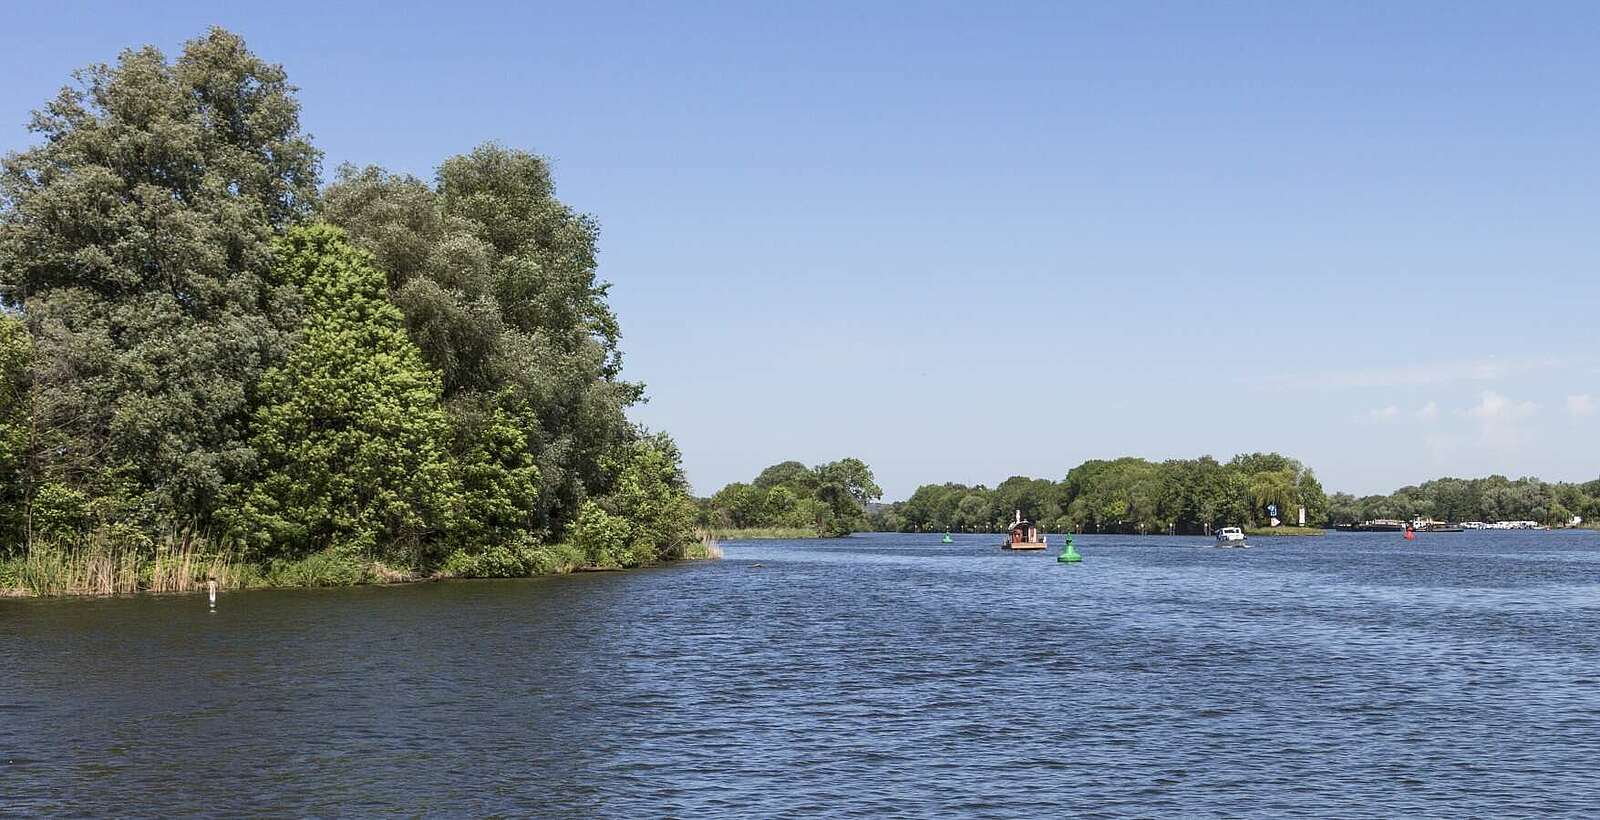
column 137, row 238
column 829, row 498
column 350, row 432
column 650, row 492
column 497, row 281
column 16, row 353
column 796, row 477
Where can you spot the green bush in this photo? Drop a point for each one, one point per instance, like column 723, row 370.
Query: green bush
column 604, row 539
column 329, row 568
column 521, row 559
column 556, row 559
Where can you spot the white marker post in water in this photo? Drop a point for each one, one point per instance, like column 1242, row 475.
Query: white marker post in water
column 211, row 591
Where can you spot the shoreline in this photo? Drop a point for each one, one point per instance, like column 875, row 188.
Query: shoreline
column 93, row 573
column 766, row 534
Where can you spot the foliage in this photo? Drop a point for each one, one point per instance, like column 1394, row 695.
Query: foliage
column 119, row 561
column 496, row 278
column 16, row 354
column 605, row 540
column 349, row 433
column 326, row 568
column 1494, row 498
column 184, row 355
column 517, row 560
column 136, row 239
column 829, row 499
column 1128, row 495
column 649, row 490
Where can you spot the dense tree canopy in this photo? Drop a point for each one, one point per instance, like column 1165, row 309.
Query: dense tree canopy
column 1132, row 495
column 431, row 375
column 829, row 498
column 1495, row 498
column 496, row 278
column 136, row 242
column 349, row 432
column 1128, row 495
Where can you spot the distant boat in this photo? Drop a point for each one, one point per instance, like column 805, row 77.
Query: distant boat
column 1396, row 525
column 1375, row 525
column 947, row 539
column 1231, row 537
column 1024, row 535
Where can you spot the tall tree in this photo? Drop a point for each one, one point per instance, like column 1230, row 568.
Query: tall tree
column 497, row 280
column 15, row 357
column 350, row 433
column 136, row 241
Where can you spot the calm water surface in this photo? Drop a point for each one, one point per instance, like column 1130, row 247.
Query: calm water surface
column 886, row 674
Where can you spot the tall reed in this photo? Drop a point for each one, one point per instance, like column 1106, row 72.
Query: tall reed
column 106, row 565
column 704, row 547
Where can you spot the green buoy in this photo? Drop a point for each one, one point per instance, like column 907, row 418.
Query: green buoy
column 948, row 539
column 1068, row 554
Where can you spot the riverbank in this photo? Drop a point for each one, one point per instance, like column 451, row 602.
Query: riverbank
column 764, row 533
column 1273, row 532
column 96, row 571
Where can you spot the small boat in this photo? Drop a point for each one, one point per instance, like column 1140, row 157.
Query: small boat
column 1024, row 535
column 947, row 539
column 1231, row 537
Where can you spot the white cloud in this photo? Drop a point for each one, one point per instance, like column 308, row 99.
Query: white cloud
column 1499, row 419
column 1494, row 407
column 1429, row 411
column 1581, row 405
column 1489, row 369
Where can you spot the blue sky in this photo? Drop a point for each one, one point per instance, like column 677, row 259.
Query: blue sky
column 964, row 242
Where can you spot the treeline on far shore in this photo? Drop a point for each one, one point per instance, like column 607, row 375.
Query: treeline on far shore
column 1123, row 495
column 1180, row 496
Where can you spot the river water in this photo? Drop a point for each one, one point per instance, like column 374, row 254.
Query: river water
column 1353, row 674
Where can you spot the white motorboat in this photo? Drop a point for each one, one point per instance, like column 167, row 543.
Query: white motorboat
column 1231, row 537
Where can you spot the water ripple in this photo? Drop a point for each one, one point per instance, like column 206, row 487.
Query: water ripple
column 873, row 676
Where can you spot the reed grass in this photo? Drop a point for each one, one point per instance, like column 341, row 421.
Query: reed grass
column 104, row 565
column 752, row 533
column 704, row 547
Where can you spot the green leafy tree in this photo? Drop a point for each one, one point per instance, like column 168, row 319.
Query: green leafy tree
column 605, row 540
column 650, row 492
column 136, row 238
column 829, row 498
column 497, row 281
column 792, row 475
column 16, row 354
column 350, row 432
column 498, row 477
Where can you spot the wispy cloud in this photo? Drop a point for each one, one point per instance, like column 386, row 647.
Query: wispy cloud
column 1410, row 375
column 1383, row 414
column 1500, row 419
column 1580, row 405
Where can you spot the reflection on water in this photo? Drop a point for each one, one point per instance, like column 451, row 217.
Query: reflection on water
column 1352, row 674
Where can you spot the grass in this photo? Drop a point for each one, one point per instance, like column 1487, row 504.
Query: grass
column 751, row 533
column 103, row 566
column 705, row 547
column 1276, row 531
